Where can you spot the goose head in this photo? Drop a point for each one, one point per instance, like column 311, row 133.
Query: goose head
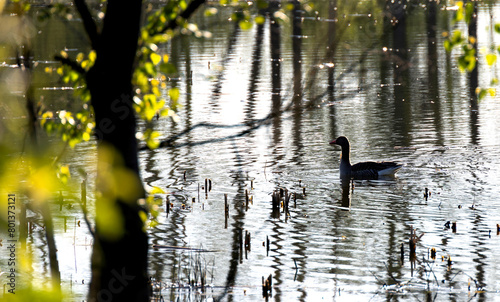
column 342, row 141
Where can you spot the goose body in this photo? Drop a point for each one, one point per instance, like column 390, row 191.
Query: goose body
column 364, row 170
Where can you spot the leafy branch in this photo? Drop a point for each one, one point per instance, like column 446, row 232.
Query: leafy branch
column 467, row 61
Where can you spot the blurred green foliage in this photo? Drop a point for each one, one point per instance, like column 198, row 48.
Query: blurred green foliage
column 468, row 59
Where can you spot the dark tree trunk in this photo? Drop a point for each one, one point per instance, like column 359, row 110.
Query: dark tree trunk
column 119, row 263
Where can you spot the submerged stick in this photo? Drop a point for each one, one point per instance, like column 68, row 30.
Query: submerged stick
column 84, row 194
column 168, row 206
column 226, row 211
column 246, row 200
column 267, row 245
column 247, row 240
column 61, row 200
column 51, row 244
column 402, row 252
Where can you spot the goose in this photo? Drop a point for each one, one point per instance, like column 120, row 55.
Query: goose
column 364, row 170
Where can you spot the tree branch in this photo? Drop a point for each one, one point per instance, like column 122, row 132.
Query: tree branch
column 192, row 7
column 67, row 61
column 88, row 22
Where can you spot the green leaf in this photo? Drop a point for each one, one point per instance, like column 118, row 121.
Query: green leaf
column 497, row 28
column 245, row 25
column 167, row 68
column 481, row 94
column 141, row 79
column 174, row 94
column 73, row 76
column 467, row 62
column 149, row 109
column 491, row 59
column 156, row 190
column 447, row 45
column 469, row 12
column 86, row 136
column 155, row 58
column 151, row 138
column 459, row 15
column 262, row 4
column 260, row 19
column 64, row 174
column 456, row 38
column 150, row 69
column 79, row 57
column 92, row 56
column 210, row 11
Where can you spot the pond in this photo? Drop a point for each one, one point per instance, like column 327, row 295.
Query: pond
column 259, row 108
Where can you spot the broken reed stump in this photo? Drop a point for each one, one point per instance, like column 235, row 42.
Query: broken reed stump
column 281, row 198
column 207, row 187
column 276, row 201
column 413, row 243
column 287, row 202
column 454, row 227
column 267, row 286
column 427, row 193
column 433, row 253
